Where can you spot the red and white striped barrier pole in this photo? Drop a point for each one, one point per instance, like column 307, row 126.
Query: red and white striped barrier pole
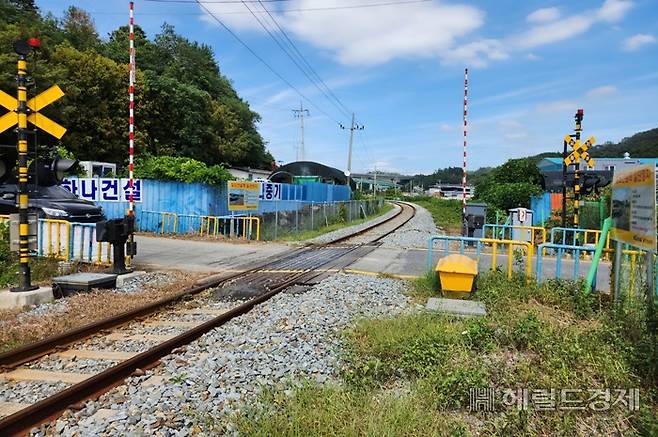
column 465, row 138
column 131, row 105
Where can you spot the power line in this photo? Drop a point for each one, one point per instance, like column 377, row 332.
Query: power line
column 327, row 8
column 285, row 50
column 269, row 67
column 319, row 9
column 314, row 73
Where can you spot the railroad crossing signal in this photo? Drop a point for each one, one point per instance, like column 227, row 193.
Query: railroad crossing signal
column 579, row 151
column 35, row 104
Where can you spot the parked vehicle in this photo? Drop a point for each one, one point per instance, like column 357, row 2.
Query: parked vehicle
column 51, row 202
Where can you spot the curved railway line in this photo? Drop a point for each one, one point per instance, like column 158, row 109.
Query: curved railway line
column 182, row 322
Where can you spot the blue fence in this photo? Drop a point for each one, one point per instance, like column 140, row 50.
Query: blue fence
column 211, row 200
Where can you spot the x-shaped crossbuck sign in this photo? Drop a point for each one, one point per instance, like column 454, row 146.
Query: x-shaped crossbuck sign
column 579, row 150
column 35, row 104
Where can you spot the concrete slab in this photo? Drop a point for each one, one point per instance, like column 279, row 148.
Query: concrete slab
column 457, row 307
column 122, row 279
column 84, row 282
column 9, row 299
column 201, row 256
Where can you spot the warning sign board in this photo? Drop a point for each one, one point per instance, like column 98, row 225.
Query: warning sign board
column 634, row 206
column 243, row 196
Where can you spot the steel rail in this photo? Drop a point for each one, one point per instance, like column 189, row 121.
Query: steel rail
column 22, row 421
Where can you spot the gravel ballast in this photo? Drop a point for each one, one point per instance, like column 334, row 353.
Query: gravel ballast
column 290, row 337
column 415, row 233
column 343, row 232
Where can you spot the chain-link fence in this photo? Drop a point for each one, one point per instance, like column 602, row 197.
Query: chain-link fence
column 308, row 216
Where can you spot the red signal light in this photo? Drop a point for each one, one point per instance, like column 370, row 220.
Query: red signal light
column 34, row 43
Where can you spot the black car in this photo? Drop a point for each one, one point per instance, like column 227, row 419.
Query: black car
column 51, row 202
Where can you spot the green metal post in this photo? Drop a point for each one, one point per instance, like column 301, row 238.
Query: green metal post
column 607, row 223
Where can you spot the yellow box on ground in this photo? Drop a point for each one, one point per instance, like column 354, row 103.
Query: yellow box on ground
column 457, row 273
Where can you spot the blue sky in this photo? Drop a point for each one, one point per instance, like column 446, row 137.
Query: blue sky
column 400, row 68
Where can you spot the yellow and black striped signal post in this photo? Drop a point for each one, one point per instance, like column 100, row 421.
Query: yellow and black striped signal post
column 579, row 152
column 22, row 111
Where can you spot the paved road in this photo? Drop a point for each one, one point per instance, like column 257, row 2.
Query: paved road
column 200, row 256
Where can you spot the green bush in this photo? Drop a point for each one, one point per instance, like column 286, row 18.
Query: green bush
column 170, row 168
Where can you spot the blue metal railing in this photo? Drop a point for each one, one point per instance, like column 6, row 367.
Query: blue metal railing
column 560, row 250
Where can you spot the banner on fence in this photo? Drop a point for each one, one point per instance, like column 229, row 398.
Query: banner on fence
column 243, row 195
column 634, row 206
column 103, row 189
column 270, row 191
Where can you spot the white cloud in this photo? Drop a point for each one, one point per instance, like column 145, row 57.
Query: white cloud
column 636, row 42
column 476, row 53
column 544, row 15
column 602, row 91
column 614, row 10
column 532, row 57
column 376, row 35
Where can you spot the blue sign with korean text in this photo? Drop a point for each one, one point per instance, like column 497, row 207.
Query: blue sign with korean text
column 270, row 191
column 104, row 189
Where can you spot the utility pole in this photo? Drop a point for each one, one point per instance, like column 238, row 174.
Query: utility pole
column 299, row 113
column 352, row 128
column 374, row 187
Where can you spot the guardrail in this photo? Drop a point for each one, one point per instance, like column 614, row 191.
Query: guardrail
column 578, row 236
column 560, row 250
column 479, row 244
column 169, row 218
column 69, row 241
column 55, row 239
column 240, row 226
column 84, row 246
column 536, row 234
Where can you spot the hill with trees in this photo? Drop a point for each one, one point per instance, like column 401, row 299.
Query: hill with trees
column 185, row 106
column 641, row 145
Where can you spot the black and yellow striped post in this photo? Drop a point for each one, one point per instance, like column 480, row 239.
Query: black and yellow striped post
column 22, row 111
column 576, row 176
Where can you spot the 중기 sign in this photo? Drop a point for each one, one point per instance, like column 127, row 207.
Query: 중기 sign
column 634, row 206
column 243, row 196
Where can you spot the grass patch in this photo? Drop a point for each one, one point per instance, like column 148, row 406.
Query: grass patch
column 42, row 268
column 411, row 374
column 307, row 235
column 447, row 214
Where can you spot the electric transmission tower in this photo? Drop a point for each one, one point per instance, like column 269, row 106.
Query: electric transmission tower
column 299, row 113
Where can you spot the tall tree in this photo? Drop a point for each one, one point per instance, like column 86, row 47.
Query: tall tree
column 79, row 29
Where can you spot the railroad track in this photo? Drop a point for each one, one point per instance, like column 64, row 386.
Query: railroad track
column 159, row 328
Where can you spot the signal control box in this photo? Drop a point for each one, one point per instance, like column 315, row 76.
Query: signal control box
column 474, row 220
column 117, row 232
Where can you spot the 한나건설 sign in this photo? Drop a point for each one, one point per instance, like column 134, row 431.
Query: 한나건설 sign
column 104, row 189
column 243, row 196
column 634, row 206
